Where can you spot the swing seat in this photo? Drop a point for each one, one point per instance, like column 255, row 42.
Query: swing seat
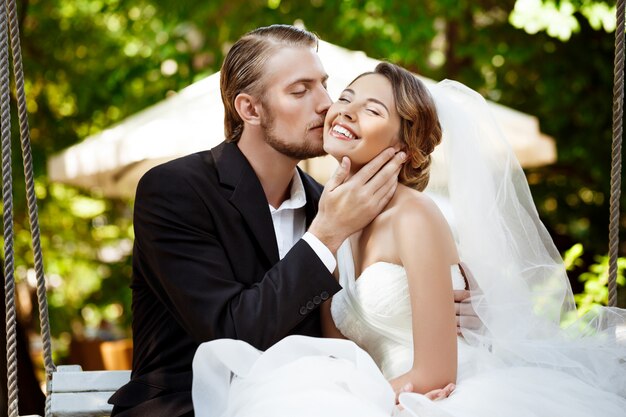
column 74, row 392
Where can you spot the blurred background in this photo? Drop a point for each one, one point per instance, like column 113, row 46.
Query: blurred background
column 91, row 65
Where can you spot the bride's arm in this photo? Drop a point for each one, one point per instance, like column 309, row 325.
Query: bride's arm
column 427, row 250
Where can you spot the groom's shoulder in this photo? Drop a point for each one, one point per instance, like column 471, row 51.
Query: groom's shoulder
column 202, row 163
column 187, row 163
column 180, row 172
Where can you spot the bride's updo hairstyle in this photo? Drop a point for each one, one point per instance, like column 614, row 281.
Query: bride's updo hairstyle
column 420, row 130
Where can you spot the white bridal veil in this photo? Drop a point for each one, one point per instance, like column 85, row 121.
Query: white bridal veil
column 523, row 293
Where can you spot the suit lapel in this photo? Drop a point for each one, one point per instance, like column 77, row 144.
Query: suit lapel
column 313, row 192
column 236, row 174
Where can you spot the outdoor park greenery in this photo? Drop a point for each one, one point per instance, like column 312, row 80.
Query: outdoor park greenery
column 91, row 63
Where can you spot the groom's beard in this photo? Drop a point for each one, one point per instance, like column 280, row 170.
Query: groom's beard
column 308, row 147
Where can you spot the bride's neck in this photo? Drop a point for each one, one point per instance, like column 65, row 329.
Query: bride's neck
column 375, row 243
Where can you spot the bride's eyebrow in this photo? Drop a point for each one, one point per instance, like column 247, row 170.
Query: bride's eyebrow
column 375, row 100
column 372, row 99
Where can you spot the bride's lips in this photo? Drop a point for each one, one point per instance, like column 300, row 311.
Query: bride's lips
column 342, row 136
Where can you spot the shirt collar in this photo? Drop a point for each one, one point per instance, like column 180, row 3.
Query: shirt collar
column 297, row 196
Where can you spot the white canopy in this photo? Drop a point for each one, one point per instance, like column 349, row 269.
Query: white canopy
column 192, row 120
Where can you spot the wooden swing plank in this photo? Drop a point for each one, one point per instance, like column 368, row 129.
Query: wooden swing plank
column 74, row 392
column 81, row 404
column 88, row 381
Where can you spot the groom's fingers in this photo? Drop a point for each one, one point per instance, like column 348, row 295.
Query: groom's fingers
column 389, row 171
column 470, row 281
column 340, row 174
column 466, row 317
column 467, row 322
column 464, row 309
column 386, row 192
column 461, row 295
column 373, row 167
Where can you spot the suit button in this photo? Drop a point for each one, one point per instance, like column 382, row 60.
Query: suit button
column 317, row 300
column 324, row 295
column 303, row 311
column 310, row 305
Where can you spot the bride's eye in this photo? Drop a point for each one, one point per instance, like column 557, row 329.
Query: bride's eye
column 343, row 100
column 373, row 111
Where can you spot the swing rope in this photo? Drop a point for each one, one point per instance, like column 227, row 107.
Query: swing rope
column 9, row 27
column 616, row 162
column 31, row 198
column 8, row 9
column 9, row 285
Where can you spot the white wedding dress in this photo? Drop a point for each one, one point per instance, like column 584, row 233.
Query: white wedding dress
column 303, row 376
column 523, row 362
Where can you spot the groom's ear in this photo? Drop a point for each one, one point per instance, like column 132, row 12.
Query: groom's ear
column 248, row 109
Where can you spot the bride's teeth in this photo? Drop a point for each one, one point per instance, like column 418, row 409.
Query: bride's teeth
column 343, row 131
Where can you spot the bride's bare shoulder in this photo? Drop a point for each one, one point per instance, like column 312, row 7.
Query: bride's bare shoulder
column 417, row 219
column 408, row 203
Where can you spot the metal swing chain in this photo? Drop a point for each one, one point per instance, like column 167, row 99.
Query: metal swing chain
column 616, row 163
column 8, row 7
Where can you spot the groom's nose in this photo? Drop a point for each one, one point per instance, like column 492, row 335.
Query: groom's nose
column 324, row 101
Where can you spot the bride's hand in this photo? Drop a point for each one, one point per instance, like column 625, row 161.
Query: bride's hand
column 403, row 384
column 439, row 394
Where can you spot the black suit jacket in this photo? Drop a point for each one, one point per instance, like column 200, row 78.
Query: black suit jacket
column 206, row 266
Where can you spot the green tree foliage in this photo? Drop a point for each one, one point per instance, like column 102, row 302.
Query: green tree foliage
column 595, row 279
column 91, row 63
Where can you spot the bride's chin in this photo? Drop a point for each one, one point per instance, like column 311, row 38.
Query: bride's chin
column 332, row 152
column 338, row 158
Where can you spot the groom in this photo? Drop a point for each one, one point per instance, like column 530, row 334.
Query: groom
column 237, row 242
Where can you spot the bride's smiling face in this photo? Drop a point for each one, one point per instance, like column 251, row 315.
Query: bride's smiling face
column 363, row 121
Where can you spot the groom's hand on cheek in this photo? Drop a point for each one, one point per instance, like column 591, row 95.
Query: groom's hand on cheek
column 348, row 204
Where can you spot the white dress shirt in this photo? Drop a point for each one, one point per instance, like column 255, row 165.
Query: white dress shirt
column 290, row 225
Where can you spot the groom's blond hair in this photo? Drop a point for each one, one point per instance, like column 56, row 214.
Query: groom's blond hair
column 244, row 71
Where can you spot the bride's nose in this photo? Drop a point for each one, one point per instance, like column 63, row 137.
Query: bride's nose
column 348, row 113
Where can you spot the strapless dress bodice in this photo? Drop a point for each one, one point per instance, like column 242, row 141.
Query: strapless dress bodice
column 375, row 312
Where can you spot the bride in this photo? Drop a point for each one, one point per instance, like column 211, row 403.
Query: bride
column 396, row 307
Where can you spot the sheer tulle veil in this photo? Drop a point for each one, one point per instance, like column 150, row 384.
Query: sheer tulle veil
column 522, row 293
